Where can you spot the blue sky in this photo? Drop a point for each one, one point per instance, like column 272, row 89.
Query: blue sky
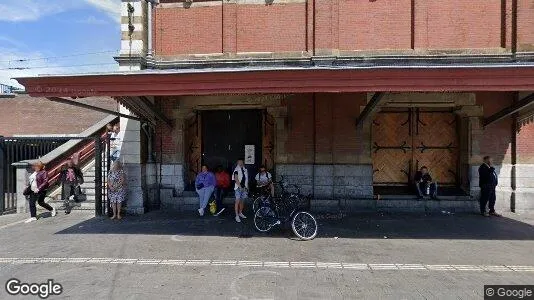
column 43, row 32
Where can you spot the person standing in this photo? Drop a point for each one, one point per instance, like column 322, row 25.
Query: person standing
column 71, row 178
column 488, row 181
column 117, row 188
column 38, row 185
column 115, row 143
column 204, row 184
column 264, row 180
column 223, row 183
column 240, row 189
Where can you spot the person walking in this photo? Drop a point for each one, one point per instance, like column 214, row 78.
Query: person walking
column 223, row 183
column 117, row 188
column 488, row 181
column 36, row 190
column 240, row 189
column 204, row 185
column 71, row 178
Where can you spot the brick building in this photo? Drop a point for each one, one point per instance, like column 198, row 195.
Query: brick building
column 22, row 115
column 346, row 98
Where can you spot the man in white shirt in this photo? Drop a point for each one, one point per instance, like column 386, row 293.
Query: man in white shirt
column 240, row 177
column 116, row 143
column 264, row 179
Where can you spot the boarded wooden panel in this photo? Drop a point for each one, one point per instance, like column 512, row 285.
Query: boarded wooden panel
column 391, row 147
column 436, row 145
column 268, row 141
column 193, row 151
column 405, row 141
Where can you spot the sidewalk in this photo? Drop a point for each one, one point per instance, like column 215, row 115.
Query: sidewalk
column 380, row 238
column 183, row 256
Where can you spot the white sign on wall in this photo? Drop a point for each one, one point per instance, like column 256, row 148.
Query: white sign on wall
column 250, row 154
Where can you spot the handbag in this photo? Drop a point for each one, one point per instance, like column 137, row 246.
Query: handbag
column 27, row 191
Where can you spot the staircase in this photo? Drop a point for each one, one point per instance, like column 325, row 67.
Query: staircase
column 87, row 199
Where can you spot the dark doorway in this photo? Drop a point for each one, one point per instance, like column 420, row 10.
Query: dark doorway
column 225, row 135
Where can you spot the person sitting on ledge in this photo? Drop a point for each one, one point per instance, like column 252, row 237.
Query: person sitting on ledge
column 424, row 184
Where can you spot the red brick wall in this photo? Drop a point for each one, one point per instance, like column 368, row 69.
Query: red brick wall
column 336, row 137
column 458, row 24
column 24, row 115
column 166, row 136
column 346, row 137
column 525, row 144
column 496, row 138
column 271, row 28
column 324, row 27
column 525, row 25
column 299, row 144
column 339, row 25
column 183, row 31
column 367, row 25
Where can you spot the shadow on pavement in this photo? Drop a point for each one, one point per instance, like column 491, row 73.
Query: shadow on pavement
column 355, row 226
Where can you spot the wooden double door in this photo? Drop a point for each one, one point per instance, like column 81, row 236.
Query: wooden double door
column 219, row 138
column 405, row 140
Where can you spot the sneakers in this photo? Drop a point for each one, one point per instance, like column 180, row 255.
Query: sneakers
column 242, row 216
column 485, row 214
column 220, row 212
column 30, row 220
column 237, row 219
column 54, row 212
column 201, row 212
column 494, row 214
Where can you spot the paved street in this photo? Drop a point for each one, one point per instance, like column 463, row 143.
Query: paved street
column 176, row 256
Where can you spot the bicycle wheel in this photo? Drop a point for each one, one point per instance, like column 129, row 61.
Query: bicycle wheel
column 304, row 225
column 259, row 201
column 264, row 219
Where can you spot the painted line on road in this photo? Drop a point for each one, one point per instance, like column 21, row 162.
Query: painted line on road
column 12, row 224
column 266, row 265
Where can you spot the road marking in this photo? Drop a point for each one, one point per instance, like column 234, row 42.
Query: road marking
column 322, row 265
column 224, row 262
column 411, row 267
column 195, row 262
column 266, row 265
column 440, row 267
column 250, row 263
column 172, row 262
column 355, row 266
column 302, row 264
column 76, row 260
column 148, row 261
column 383, row 267
column 12, row 224
column 276, row 264
column 468, row 268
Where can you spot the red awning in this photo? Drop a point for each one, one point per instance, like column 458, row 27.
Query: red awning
column 298, row 80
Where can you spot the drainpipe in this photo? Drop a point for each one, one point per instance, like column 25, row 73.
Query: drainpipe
column 151, row 4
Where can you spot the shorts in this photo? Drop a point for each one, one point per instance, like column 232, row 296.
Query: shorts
column 241, row 194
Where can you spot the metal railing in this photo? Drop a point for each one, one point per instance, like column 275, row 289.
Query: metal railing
column 15, row 149
column 54, row 152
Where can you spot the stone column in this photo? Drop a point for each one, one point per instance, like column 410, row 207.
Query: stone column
column 22, row 182
column 131, row 158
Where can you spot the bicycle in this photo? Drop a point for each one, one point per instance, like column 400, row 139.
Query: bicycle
column 263, row 196
column 282, row 211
